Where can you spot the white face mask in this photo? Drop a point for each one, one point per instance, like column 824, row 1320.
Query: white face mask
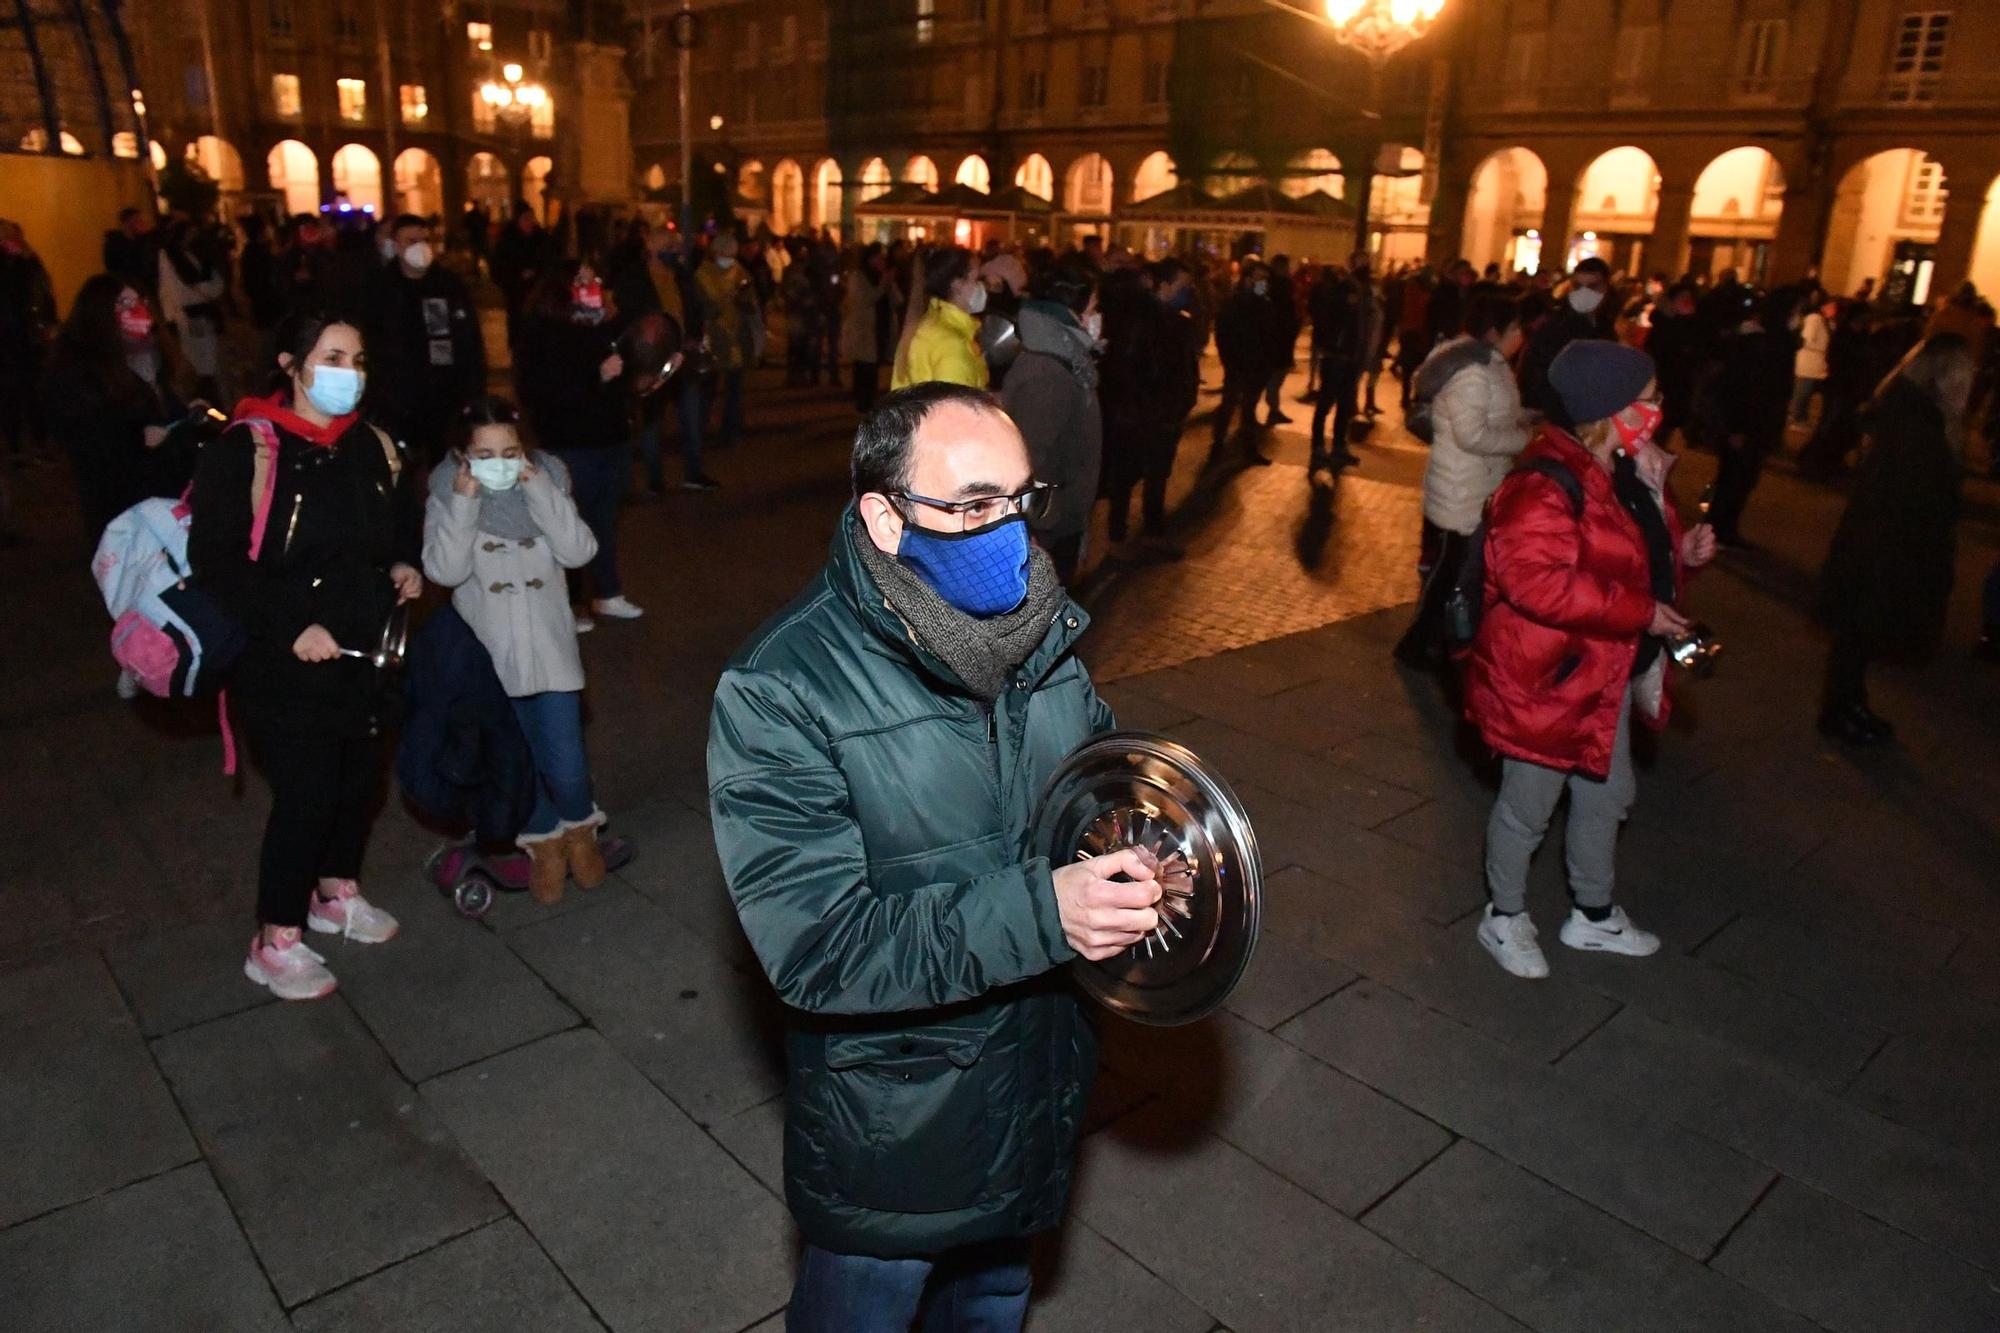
column 1585, row 300
column 496, row 474
column 417, row 256
column 725, row 262
column 387, row 247
column 976, row 302
column 1260, row 288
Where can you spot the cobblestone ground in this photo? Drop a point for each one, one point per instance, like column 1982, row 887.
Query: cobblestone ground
column 567, row 1118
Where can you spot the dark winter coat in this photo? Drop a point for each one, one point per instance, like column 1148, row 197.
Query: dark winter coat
column 1051, row 392
column 1889, row 571
column 99, row 417
column 1244, row 336
column 872, row 821
column 1567, row 599
column 566, row 399
column 1563, row 327
column 1337, row 319
column 1754, row 390
column 426, row 357
column 460, row 754
column 340, row 517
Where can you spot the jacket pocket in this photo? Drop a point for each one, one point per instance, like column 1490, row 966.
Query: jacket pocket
column 909, row 1121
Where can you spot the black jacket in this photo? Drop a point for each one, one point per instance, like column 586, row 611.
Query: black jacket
column 426, row 356
column 1755, row 387
column 568, row 403
column 461, row 756
column 1244, row 336
column 1888, row 573
column 1336, row 312
column 100, row 419
column 1563, row 327
column 340, row 517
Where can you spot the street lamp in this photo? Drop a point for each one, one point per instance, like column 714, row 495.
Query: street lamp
column 510, row 97
column 1380, row 28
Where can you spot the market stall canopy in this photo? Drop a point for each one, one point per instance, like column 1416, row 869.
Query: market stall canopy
column 906, row 199
column 1014, row 201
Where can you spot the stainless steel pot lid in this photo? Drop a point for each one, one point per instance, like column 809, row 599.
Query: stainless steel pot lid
column 1132, row 789
column 395, row 645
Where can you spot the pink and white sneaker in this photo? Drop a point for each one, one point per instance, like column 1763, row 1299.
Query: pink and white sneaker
column 292, row 970
column 350, row 915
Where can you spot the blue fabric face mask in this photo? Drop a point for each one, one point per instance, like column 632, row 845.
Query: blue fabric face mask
column 982, row 572
column 335, row 390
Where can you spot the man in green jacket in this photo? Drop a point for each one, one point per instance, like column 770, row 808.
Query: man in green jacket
column 874, row 757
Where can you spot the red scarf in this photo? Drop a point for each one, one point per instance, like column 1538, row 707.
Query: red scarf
column 274, row 410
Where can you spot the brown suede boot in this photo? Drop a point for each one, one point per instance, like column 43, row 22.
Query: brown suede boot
column 586, row 859
column 550, row 870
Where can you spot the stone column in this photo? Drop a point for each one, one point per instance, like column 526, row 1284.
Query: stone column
column 1956, row 238
column 1445, row 237
column 1557, row 209
column 1667, row 249
column 1798, row 244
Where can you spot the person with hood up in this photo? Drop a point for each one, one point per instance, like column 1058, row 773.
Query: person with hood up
column 1051, row 393
column 1478, row 429
column 945, row 343
column 335, row 556
column 500, row 530
column 1582, row 574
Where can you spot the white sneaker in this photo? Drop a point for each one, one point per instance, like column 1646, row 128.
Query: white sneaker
column 1614, row 934
column 617, row 608
column 1512, row 940
column 128, row 684
column 584, row 624
column 350, row 916
column 289, row 968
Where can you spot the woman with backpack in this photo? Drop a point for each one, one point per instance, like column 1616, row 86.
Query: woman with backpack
column 305, row 532
column 1585, row 559
column 1477, row 428
column 499, row 531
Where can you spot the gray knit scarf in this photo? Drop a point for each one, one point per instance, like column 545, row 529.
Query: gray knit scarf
column 503, row 514
column 983, row 654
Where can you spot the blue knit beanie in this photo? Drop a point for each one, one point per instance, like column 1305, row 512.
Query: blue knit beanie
column 1596, row 379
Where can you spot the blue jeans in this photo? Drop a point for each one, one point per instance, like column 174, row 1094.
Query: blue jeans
column 977, row 1289
column 687, row 402
column 598, row 479
column 731, row 390
column 553, row 724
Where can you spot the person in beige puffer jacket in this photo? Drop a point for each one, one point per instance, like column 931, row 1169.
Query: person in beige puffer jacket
column 500, row 530
column 1478, row 429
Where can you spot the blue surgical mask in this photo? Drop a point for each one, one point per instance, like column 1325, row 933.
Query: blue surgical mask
column 982, row 571
column 335, row 390
column 496, row 474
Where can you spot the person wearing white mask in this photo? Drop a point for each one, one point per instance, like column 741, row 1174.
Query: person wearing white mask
column 500, row 530
column 1580, row 313
column 304, row 533
column 945, row 344
column 430, row 360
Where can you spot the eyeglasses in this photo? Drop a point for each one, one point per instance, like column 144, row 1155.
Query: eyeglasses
column 1030, row 503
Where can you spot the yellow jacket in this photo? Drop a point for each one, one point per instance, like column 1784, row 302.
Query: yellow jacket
column 945, row 347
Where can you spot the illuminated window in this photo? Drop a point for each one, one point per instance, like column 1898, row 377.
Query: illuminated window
column 542, row 119
column 479, row 36
column 1923, row 202
column 485, row 117
column 285, row 96
column 416, row 105
column 125, row 144
column 1916, row 57
column 353, row 95
column 926, row 21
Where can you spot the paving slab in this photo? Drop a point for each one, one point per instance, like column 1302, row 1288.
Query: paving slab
column 677, row 868
column 84, row 1107
column 1247, row 1246
column 161, row 1254
column 707, row 1033
column 1136, row 710
column 1922, row 1186
column 1284, row 979
column 654, row 1224
column 1084, row 1284
column 1826, row 1047
column 1668, row 1182
column 1443, row 967
column 495, row 1280
column 755, row 1137
column 1289, row 833
column 1554, row 1262
column 296, row 1102
column 1851, row 1273
column 513, row 911
column 1944, row 1084
column 1312, row 779
column 1341, row 1141
column 177, row 978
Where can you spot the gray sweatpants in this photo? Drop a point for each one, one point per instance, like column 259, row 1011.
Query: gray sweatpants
column 1528, row 796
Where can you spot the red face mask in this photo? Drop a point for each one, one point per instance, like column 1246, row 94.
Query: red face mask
column 1635, row 438
column 135, row 318
column 588, row 297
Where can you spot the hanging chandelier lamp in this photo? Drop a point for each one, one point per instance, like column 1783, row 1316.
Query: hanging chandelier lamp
column 1378, row 29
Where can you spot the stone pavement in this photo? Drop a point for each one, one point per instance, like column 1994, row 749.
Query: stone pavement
column 565, row 1118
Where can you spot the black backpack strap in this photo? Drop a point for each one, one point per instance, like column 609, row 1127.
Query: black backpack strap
column 1559, row 473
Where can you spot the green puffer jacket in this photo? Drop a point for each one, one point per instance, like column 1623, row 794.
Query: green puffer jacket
column 872, row 822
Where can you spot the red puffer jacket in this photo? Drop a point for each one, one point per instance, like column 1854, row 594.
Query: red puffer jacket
column 1567, row 598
